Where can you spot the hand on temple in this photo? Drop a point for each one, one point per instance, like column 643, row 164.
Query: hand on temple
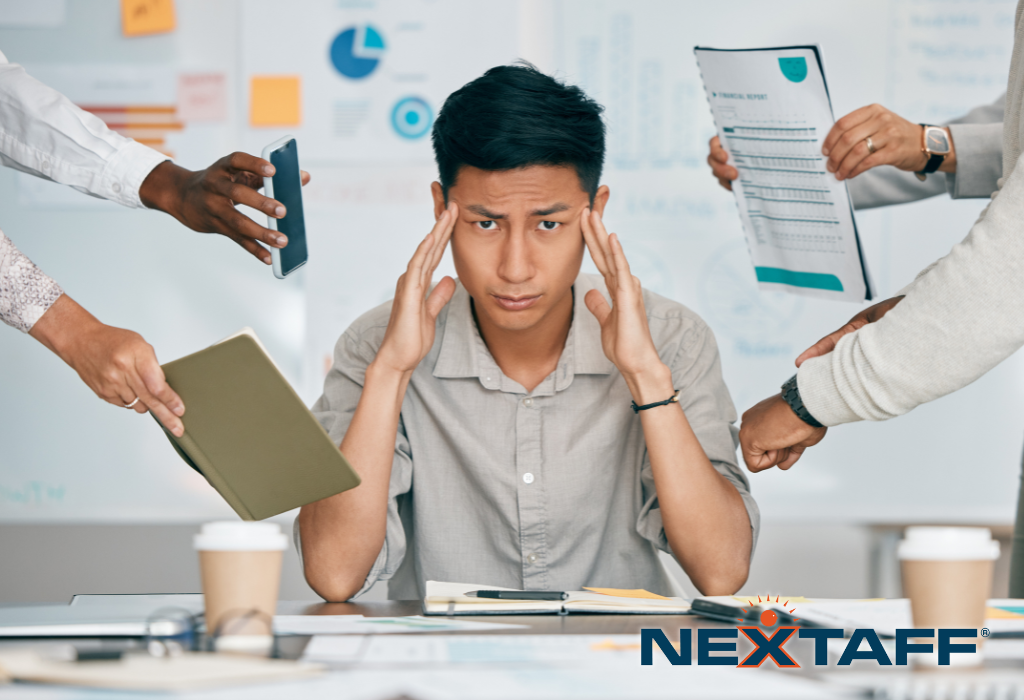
column 205, row 200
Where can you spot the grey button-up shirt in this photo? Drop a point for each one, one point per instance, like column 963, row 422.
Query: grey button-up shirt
column 545, row 490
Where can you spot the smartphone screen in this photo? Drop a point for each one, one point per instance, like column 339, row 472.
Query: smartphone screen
column 288, row 191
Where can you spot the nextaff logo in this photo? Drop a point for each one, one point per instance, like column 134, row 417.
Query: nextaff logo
column 772, row 647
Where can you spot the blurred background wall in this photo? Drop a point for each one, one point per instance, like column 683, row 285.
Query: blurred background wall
column 92, row 499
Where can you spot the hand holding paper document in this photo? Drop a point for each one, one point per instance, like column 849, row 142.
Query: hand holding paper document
column 772, row 112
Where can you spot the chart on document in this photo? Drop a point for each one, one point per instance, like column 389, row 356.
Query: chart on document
column 772, row 113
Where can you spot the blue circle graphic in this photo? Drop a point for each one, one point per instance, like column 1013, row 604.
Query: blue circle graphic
column 412, row 117
column 357, row 51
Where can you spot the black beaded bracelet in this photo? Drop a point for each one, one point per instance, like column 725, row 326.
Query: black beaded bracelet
column 666, row 402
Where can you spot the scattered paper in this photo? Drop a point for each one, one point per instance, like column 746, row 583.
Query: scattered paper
column 546, row 649
column 144, row 17
column 311, row 624
column 627, row 593
column 202, row 97
column 275, row 100
column 357, row 624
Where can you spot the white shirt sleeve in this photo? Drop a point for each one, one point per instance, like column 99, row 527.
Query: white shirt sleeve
column 42, row 133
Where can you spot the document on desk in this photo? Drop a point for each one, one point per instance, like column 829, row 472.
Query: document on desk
column 772, row 111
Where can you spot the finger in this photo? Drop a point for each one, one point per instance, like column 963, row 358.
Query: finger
column 795, row 453
column 718, row 153
column 590, row 238
column 725, row 172
column 603, row 242
column 239, row 161
column 258, row 251
column 152, row 375
column 440, row 296
column 234, row 223
column 854, row 118
column 160, row 411
column 727, row 184
column 304, row 176
column 241, row 193
column 852, row 142
column 828, row 343
column 598, row 305
column 619, row 257
column 881, row 156
column 437, row 252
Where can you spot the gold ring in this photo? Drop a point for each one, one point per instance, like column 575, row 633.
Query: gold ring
column 871, row 146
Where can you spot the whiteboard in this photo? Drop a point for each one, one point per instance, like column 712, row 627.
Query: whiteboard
column 68, row 457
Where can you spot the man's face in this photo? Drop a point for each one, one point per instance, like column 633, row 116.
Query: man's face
column 517, row 244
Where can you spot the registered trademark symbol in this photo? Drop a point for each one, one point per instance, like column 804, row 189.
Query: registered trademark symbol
column 985, row 632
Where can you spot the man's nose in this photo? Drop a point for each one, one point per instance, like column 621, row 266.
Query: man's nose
column 516, row 261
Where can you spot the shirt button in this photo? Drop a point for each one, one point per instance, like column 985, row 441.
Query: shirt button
column 46, row 166
column 532, row 558
column 527, row 402
column 116, row 187
column 528, row 478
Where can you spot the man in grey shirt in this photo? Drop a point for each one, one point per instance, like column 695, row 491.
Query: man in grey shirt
column 527, row 426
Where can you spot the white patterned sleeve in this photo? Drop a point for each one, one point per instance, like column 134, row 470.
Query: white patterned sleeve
column 25, row 292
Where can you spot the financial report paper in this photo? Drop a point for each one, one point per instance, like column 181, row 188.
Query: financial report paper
column 772, row 111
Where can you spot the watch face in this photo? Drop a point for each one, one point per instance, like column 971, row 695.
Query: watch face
column 935, row 140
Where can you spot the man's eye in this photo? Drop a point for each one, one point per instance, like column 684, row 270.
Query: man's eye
column 549, row 225
column 487, row 225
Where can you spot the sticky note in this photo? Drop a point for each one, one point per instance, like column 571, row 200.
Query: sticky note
column 275, row 100
column 142, row 17
column 202, row 97
column 627, row 593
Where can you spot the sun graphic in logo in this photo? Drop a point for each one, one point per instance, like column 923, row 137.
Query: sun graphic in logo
column 768, row 617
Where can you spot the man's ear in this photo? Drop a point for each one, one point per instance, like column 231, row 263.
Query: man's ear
column 601, row 199
column 439, row 204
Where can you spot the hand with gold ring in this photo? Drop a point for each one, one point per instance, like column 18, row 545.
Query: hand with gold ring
column 117, row 364
column 872, row 136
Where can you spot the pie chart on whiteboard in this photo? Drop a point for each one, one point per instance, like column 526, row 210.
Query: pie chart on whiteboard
column 356, row 51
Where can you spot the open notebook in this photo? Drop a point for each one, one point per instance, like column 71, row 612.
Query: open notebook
column 450, row 599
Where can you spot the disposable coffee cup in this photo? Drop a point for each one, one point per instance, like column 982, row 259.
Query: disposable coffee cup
column 947, row 575
column 240, row 564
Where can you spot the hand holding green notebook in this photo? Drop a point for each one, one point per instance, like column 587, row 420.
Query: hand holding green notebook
column 249, row 433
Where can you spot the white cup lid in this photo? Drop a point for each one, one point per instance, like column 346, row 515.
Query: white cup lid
column 947, row 544
column 238, row 536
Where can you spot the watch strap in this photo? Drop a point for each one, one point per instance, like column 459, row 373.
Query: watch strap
column 791, row 395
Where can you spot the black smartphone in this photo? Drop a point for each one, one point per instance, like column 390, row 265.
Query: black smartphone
column 286, row 187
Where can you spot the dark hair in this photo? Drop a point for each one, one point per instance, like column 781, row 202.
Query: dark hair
column 515, row 116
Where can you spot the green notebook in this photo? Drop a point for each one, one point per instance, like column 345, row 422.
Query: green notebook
column 249, row 434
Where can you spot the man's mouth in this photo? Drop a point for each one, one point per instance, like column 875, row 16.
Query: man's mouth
column 515, row 303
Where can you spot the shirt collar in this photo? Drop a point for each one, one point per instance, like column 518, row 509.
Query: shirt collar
column 463, row 352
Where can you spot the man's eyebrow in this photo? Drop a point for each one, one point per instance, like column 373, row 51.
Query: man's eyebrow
column 481, row 210
column 553, row 209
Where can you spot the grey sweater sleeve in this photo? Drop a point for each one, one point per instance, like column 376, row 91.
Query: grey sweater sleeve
column 978, row 139
column 958, row 321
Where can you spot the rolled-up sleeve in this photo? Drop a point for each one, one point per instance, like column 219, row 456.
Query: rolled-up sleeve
column 697, row 372
column 43, row 134
column 335, row 409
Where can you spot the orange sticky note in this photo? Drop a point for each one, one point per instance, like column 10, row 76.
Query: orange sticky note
column 142, row 17
column 275, row 100
column 627, row 593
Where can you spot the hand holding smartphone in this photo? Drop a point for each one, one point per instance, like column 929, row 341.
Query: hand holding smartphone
column 286, row 187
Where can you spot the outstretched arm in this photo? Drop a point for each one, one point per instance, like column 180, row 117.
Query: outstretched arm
column 705, row 521
column 342, row 535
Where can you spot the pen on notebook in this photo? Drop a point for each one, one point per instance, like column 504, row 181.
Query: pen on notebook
column 519, row 595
